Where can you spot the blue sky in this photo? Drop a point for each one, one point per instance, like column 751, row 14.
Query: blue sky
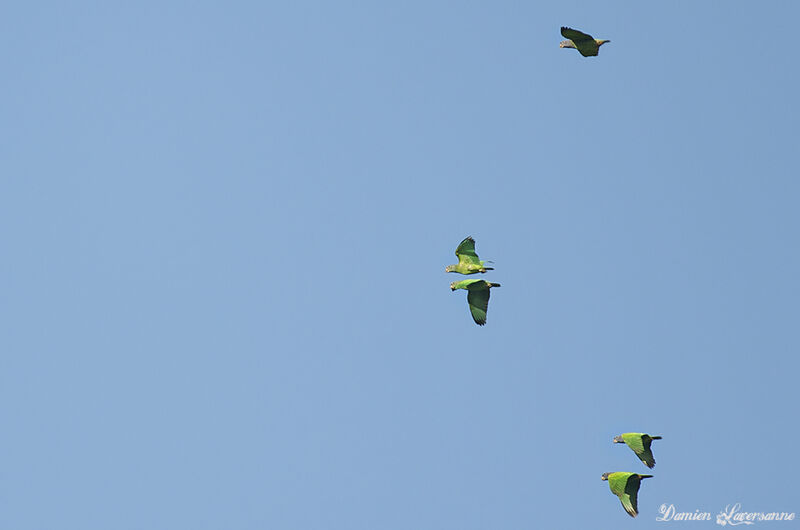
column 224, row 232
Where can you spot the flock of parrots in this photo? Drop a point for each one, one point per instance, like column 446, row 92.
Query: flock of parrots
column 624, row 485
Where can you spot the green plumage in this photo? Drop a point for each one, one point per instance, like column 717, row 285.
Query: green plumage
column 586, row 44
column 468, row 261
column 626, row 487
column 477, row 297
column 639, row 442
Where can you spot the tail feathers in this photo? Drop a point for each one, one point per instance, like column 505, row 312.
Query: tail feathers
column 655, row 437
column 494, row 284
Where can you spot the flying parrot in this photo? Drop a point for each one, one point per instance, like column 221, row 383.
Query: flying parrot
column 626, row 487
column 640, row 443
column 586, row 44
column 468, row 262
column 477, row 297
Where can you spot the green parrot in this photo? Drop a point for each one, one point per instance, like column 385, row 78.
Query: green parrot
column 468, row 262
column 626, row 487
column 586, row 44
column 640, row 443
column 477, row 297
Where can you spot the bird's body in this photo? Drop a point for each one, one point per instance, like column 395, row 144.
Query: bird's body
column 477, row 297
column 468, row 261
column 639, row 442
column 626, row 486
column 586, row 44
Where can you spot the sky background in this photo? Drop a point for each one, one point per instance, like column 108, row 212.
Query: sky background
column 224, row 228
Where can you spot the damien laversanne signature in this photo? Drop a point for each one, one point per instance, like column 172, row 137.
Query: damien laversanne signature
column 731, row 515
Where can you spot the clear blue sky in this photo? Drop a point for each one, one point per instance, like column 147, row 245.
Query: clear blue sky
column 224, row 230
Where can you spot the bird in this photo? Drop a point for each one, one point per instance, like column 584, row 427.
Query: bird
column 626, row 487
column 586, row 44
column 468, row 262
column 640, row 443
column 477, row 297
